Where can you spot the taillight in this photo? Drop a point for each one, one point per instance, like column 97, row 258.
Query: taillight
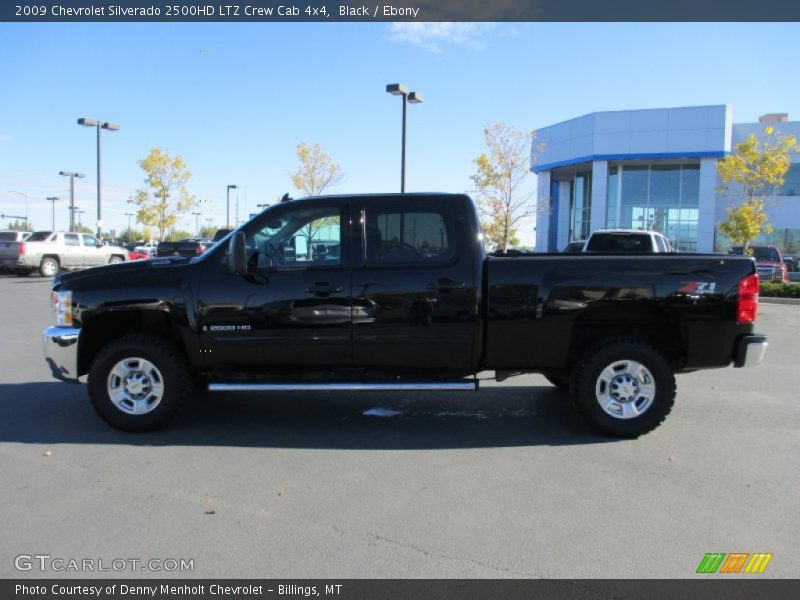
column 198, row 249
column 21, row 248
column 748, row 299
column 785, row 273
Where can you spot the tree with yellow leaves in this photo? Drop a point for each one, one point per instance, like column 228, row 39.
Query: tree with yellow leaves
column 753, row 171
column 166, row 196
column 316, row 171
column 501, row 197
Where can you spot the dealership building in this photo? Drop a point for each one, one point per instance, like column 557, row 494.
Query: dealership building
column 651, row 169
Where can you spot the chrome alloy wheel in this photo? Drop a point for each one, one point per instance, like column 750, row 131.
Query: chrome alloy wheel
column 135, row 386
column 625, row 389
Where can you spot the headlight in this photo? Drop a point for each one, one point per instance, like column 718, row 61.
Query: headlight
column 62, row 308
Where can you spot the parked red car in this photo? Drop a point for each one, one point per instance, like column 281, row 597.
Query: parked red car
column 769, row 263
column 133, row 255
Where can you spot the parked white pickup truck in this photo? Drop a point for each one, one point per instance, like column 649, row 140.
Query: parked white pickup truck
column 51, row 251
column 627, row 241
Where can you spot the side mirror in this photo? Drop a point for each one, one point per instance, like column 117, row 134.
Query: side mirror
column 236, row 258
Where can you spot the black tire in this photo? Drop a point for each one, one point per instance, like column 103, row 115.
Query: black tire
column 22, row 272
column 560, row 381
column 116, row 259
column 589, row 388
column 171, row 369
column 49, row 267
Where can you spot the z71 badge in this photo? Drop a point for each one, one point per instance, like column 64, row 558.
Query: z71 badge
column 697, row 288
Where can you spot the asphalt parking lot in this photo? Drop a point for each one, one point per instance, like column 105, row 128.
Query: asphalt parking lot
column 508, row 482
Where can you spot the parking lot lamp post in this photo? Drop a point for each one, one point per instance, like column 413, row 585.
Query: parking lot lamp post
column 52, row 199
column 72, row 177
column 228, row 206
column 80, row 212
column 398, row 89
column 129, row 215
column 26, row 202
column 197, row 224
column 110, row 127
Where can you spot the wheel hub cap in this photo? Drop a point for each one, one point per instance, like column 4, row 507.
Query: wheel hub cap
column 135, row 386
column 625, row 389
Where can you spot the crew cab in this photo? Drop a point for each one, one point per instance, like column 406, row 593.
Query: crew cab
column 380, row 292
column 627, row 241
column 51, row 251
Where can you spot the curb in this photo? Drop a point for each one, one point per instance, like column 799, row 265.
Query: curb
column 776, row 300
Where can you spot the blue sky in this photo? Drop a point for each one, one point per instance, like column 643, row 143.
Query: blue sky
column 235, row 99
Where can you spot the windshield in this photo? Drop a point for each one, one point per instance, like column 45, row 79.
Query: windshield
column 8, row 236
column 766, row 254
column 760, row 253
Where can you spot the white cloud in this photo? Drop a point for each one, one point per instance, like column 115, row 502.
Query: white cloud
column 434, row 36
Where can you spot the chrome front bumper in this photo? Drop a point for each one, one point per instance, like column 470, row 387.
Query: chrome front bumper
column 61, row 352
column 750, row 350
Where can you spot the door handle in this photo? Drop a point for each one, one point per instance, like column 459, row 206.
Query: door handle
column 324, row 288
column 447, row 285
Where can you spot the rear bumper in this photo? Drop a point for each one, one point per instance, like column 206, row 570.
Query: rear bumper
column 750, row 350
column 61, row 352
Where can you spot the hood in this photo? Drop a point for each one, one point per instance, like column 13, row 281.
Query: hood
column 120, row 269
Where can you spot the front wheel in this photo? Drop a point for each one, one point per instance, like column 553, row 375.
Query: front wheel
column 49, row 267
column 625, row 389
column 138, row 382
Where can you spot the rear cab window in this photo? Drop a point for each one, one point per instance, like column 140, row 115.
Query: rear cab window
column 628, row 243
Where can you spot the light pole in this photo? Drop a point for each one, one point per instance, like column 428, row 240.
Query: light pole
column 129, row 215
column 53, row 199
column 26, row 202
column 398, row 89
column 228, row 206
column 197, row 223
column 72, row 177
column 110, row 127
column 80, row 212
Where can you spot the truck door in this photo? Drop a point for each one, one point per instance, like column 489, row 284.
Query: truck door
column 93, row 254
column 72, row 256
column 414, row 295
column 294, row 305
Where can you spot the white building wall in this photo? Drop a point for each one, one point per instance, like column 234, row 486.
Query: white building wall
column 542, row 210
column 564, row 188
column 599, row 194
column 707, row 203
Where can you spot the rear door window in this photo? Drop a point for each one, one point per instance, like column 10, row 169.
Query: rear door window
column 409, row 235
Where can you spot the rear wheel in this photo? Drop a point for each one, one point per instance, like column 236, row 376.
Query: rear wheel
column 49, row 267
column 115, row 260
column 625, row 388
column 138, row 382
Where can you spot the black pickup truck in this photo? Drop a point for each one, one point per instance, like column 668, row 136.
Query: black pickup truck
column 381, row 292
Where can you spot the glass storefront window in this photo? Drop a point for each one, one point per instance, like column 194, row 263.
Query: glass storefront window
column 581, row 206
column 611, row 201
column 659, row 197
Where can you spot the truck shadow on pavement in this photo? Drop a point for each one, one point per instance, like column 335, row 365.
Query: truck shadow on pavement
column 59, row 413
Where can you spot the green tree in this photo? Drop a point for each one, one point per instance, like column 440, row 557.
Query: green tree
column 751, row 173
column 19, row 225
column 316, row 172
column 209, row 231
column 165, row 197
column 502, row 198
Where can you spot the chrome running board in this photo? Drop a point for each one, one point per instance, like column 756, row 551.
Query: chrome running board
column 312, row 387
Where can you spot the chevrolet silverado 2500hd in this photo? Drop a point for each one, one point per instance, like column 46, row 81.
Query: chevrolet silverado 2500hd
column 396, row 292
